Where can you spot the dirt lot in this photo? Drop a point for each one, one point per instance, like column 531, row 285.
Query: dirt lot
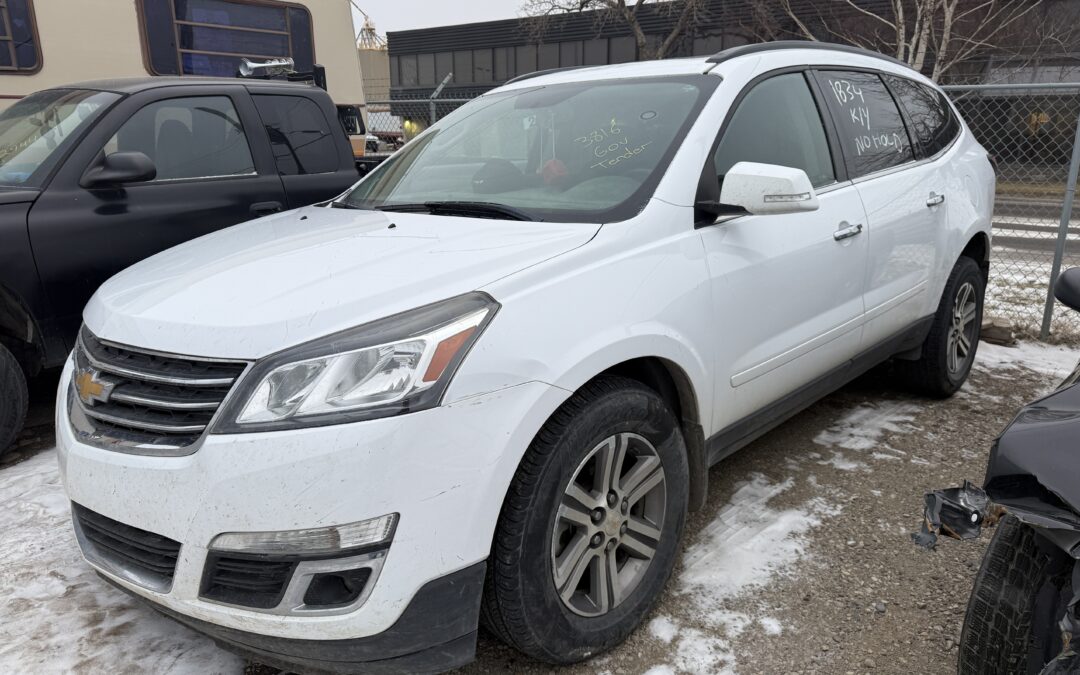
column 800, row 563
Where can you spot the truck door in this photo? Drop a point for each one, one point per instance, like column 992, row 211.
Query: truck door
column 310, row 147
column 212, row 172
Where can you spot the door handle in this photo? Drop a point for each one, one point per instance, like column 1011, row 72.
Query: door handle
column 846, row 232
column 264, row 208
column 935, row 199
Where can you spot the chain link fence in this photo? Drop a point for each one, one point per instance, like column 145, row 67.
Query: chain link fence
column 1030, row 131
column 392, row 121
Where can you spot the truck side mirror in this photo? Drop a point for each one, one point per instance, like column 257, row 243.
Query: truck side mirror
column 119, row 168
column 1067, row 288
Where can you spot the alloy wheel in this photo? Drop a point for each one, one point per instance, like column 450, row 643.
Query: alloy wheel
column 608, row 525
column 962, row 329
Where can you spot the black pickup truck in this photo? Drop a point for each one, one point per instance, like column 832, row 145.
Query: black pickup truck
column 97, row 176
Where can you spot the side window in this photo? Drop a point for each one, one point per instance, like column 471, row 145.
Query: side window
column 197, row 137
column 299, row 134
column 778, row 123
column 872, row 132
column 933, row 122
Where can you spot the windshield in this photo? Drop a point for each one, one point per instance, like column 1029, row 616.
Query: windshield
column 574, row 152
column 35, row 132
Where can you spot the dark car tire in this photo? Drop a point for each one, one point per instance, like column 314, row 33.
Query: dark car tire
column 935, row 374
column 13, row 399
column 1012, row 614
column 521, row 604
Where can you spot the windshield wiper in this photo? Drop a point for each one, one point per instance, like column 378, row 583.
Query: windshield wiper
column 345, row 205
column 467, row 209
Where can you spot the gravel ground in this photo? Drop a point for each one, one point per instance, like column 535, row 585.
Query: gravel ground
column 800, row 562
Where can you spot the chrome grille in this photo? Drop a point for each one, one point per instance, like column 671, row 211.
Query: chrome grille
column 134, row 397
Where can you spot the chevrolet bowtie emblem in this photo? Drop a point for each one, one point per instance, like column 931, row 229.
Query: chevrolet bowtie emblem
column 91, row 387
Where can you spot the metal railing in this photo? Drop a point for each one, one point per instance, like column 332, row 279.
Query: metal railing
column 1031, row 132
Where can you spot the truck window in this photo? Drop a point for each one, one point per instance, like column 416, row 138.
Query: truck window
column 196, row 137
column 299, row 134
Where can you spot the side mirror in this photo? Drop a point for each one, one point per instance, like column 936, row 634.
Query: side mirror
column 1067, row 288
column 767, row 189
column 119, row 168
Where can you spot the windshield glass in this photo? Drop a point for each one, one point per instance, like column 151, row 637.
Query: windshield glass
column 574, row 152
column 35, row 132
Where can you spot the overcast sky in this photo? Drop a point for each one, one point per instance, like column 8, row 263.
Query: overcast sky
column 391, row 15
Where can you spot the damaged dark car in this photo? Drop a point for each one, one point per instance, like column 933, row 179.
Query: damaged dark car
column 1024, row 612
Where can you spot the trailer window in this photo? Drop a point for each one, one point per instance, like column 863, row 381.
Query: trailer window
column 210, row 37
column 19, row 50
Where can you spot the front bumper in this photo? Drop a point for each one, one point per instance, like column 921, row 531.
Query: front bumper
column 444, row 470
column 436, row 632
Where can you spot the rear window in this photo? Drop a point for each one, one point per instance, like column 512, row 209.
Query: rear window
column 301, row 137
column 872, row 132
column 932, row 120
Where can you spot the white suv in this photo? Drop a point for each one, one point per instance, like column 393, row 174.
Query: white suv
column 489, row 381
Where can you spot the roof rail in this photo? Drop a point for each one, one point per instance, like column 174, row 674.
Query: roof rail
column 760, row 47
column 538, row 73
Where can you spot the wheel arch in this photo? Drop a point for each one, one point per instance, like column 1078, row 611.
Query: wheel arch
column 671, row 382
column 19, row 332
column 978, row 249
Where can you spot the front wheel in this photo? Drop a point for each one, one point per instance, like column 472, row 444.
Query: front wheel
column 949, row 349
column 1019, row 596
column 590, row 527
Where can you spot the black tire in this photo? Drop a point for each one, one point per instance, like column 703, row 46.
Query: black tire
column 1020, row 593
column 931, row 375
column 521, row 604
column 13, row 399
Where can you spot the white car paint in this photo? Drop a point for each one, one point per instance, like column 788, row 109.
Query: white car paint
column 745, row 311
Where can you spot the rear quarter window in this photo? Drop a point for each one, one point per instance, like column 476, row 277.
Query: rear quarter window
column 869, row 125
column 933, row 122
column 300, row 135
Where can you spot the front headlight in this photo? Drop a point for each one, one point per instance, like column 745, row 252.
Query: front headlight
column 396, row 365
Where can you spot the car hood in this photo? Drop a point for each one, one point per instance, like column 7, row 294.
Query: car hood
column 256, row 288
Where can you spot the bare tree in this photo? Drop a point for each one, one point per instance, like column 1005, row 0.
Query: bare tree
column 538, row 14
column 932, row 36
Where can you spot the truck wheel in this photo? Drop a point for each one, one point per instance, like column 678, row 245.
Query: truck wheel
column 13, row 399
column 590, row 527
column 1012, row 614
column 949, row 348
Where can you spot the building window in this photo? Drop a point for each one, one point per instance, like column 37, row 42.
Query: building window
column 482, row 65
column 569, row 54
column 463, row 67
column 444, row 65
column 210, row 37
column 19, row 50
column 548, row 56
column 623, row 49
column 426, row 69
column 596, row 52
column 409, row 76
column 504, row 63
column 524, row 59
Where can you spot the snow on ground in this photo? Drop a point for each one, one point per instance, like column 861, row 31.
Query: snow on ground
column 57, row 615
column 747, row 545
column 1055, row 361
